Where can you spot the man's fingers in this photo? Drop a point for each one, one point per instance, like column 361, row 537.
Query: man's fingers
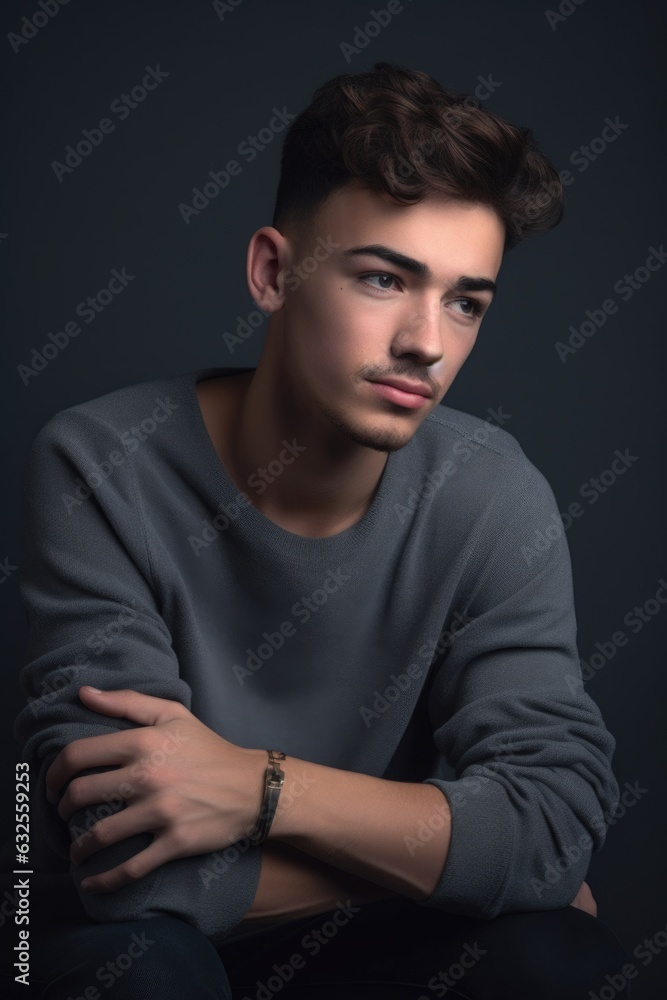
column 94, row 789
column 110, row 830
column 146, row 709
column 584, row 900
column 106, row 831
column 132, row 870
column 107, row 749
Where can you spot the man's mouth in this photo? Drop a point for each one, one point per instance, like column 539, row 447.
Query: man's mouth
column 402, row 391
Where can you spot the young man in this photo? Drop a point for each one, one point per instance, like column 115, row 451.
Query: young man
column 315, row 557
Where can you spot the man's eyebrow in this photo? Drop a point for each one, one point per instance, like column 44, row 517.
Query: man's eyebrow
column 464, row 284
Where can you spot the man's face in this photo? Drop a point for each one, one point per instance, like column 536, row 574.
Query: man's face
column 358, row 318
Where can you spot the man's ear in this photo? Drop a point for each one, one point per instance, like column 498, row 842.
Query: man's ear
column 266, row 261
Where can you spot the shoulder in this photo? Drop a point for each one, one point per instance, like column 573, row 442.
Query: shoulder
column 115, row 413
column 497, row 504
column 487, row 434
column 480, row 480
column 478, row 452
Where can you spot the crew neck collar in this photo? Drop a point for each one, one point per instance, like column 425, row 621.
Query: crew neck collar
column 251, row 521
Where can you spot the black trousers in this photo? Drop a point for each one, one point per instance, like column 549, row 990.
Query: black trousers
column 392, row 949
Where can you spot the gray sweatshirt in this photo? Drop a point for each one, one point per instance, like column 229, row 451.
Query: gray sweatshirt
column 432, row 641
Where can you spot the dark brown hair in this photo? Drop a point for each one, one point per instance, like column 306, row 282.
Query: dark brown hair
column 398, row 132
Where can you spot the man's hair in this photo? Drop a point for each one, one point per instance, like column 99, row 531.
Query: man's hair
column 397, row 131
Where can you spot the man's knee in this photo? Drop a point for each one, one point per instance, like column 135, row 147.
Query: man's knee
column 158, row 958
column 172, row 958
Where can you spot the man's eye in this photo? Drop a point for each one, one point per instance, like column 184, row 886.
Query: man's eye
column 474, row 307
column 471, row 307
column 379, row 274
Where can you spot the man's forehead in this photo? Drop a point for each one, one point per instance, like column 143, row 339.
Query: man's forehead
column 365, row 218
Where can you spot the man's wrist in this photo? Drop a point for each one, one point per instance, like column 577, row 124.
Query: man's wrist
column 272, row 787
column 256, row 800
column 295, row 809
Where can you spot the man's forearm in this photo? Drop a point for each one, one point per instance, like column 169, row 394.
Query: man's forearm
column 366, row 826
column 295, row 884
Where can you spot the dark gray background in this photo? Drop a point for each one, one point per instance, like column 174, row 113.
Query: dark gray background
column 119, row 208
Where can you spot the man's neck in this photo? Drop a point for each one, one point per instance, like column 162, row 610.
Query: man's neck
column 299, row 473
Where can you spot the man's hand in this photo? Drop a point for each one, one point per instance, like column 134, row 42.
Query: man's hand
column 195, row 791
column 584, row 900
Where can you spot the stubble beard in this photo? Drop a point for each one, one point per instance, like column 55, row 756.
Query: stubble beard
column 379, row 439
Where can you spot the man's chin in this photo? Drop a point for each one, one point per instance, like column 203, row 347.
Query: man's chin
column 378, row 438
column 384, row 442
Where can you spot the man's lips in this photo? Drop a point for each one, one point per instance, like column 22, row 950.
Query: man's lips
column 412, row 398
column 401, row 383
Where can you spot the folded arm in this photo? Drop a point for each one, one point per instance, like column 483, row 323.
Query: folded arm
column 516, row 828
column 93, row 618
column 530, row 751
column 292, row 883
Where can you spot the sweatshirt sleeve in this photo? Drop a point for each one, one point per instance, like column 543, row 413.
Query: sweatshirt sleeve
column 528, row 746
column 87, row 587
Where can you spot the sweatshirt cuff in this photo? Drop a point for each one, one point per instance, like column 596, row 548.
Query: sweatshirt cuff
column 473, row 880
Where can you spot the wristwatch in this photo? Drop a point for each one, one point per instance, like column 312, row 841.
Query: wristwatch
column 275, row 777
